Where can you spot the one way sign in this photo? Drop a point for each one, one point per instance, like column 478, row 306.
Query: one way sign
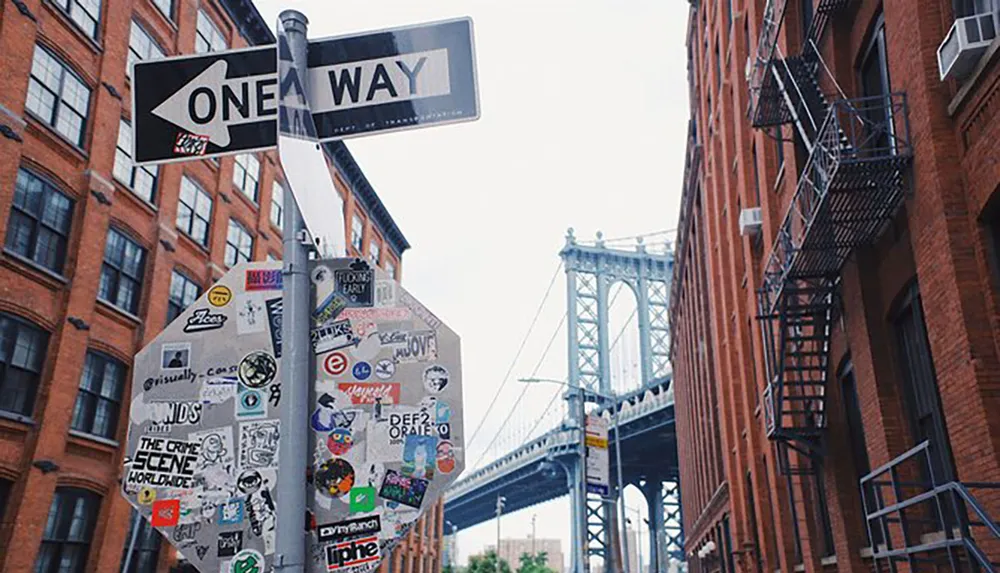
column 219, row 103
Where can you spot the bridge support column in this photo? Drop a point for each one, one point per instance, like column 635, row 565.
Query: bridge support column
column 666, row 529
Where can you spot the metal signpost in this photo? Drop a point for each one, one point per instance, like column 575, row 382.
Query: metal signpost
column 312, row 391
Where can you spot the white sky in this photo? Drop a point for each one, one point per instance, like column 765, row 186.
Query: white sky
column 584, row 119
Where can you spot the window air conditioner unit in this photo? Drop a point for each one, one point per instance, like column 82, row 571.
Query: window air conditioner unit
column 965, row 43
column 750, row 221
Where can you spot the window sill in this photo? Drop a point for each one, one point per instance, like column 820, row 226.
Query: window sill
column 91, row 43
column 149, row 207
column 826, row 561
column 104, row 442
column 6, row 415
column 121, row 315
column 39, row 127
column 52, row 279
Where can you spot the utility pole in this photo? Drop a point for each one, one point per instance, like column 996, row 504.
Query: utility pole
column 296, row 374
column 500, row 501
column 584, row 559
column 621, row 485
column 534, row 516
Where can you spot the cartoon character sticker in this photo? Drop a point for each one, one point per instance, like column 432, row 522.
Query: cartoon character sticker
column 334, row 478
column 445, row 457
column 339, row 441
column 419, row 455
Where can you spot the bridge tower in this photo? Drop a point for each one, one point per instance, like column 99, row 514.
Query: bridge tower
column 591, row 271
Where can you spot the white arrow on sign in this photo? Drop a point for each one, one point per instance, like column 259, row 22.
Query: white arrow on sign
column 210, row 103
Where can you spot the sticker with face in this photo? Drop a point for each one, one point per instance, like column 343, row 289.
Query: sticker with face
column 435, row 378
column 257, row 369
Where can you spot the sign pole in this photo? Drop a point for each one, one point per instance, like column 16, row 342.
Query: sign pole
column 297, row 374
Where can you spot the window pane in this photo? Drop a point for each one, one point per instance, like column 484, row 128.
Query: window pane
column 208, row 38
column 165, row 6
column 277, row 204
column 57, row 96
column 194, row 211
column 70, row 525
column 39, row 222
column 121, row 275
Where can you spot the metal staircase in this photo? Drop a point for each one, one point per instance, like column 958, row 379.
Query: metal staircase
column 851, row 185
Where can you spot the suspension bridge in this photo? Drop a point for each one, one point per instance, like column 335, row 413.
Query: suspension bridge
column 536, row 458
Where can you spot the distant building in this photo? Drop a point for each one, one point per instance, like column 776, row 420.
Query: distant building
column 512, row 549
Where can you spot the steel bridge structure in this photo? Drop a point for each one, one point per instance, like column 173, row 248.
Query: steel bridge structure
column 548, row 466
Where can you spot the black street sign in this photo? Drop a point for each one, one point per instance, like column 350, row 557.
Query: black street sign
column 392, row 80
column 195, row 107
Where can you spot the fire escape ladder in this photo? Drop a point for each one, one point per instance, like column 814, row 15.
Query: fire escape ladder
column 915, row 519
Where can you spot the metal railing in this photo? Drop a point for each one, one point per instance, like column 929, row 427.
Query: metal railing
column 951, row 504
column 767, row 41
column 855, row 131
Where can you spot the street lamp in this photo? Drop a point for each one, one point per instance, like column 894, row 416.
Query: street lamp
column 500, row 501
column 638, row 532
column 610, row 401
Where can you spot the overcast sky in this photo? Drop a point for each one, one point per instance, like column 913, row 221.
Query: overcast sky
column 584, row 117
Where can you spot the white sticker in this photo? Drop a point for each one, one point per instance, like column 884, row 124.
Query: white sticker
column 251, row 316
column 218, row 390
column 385, row 293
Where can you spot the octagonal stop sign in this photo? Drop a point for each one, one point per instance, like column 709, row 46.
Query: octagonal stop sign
column 386, row 426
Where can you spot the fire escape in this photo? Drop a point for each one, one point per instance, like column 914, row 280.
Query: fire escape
column 852, row 184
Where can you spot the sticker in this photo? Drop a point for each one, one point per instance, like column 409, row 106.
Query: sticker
column 333, row 336
column 190, row 144
column 219, row 296
column 274, row 394
column 334, row 478
column 185, row 533
column 247, row 560
column 395, row 314
column 419, row 456
column 320, row 274
column 203, row 320
column 362, row 371
column 166, row 512
column 201, row 550
column 262, row 279
column 163, row 462
column 216, row 447
column 385, row 369
column 335, row 363
column 339, row 441
column 412, row 423
column 352, row 553
column 251, row 317
column 249, row 482
column 442, row 412
column 329, row 309
column 369, row 347
column 174, row 413
column 230, row 543
column 385, row 293
column 218, row 390
column 415, row 306
column 351, row 528
column 175, row 356
column 356, row 283
column 147, row 495
column 259, row 443
column 435, row 378
column 231, row 512
column 371, row 392
column 445, row 457
column 420, row 346
column 257, row 369
column 274, row 307
column 327, row 417
column 362, row 499
column 392, row 337
column 406, row 490
column 250, row 404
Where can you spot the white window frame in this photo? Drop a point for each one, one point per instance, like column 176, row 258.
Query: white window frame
column 86, row 14
column 141, row 46
column 246, row 169
column 52, row 77
column 277, row 205
column 357, row 233
column 125, row 172
column 374, row 251
column 242, row 249
column 195, row 211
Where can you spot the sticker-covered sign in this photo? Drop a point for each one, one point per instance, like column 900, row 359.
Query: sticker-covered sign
column 202, row 453
column 386, row 415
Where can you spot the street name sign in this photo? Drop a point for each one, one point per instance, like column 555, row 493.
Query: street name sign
column 207, row 105
column 219, row 103
column 598, row 466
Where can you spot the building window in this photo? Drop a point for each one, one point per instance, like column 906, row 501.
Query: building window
column 277, row 205
column 141, row 180
column 183, row 292
column 57, row 96
column 5, row 486
column 357, row 232
column 966, row 8
column 40, row 218
column 874, row 75
column 856, row 438
column 141, row 46
column 729, row 14
column 390, row 269
column 85, row 13
column 756, row 175
column 779, row 140
column 374, row 250
column 239, row 244
column 718, row 66
column 806, row 11
column 22, row 351
column 121, row 275
column 99, row 399
column 208, row 38
column 194, row 211
column 66, row 540
column 165, row 6
column 145, row 550
column 245, row 174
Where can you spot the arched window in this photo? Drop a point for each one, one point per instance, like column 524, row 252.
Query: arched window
column 68, row 530
column 22, row 353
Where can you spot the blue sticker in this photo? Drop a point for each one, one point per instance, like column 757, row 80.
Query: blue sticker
column 231, row 512
column 362, row 370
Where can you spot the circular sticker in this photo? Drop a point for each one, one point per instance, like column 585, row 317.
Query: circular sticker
column 334, row 478
column 320, row 274
column 247, row 561
column 362, row 370
column 249, row 481
column 335, row 363
column 385, row 369
column 257, row 369
column 219, row 295
column 339, row 441
column 435, row 378
column 445, row 457
column 147, row 495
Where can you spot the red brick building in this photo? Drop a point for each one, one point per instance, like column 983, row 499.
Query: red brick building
column 99, row 256
column 836, row 299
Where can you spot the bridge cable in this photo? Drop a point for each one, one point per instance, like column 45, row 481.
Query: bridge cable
column 513, row 363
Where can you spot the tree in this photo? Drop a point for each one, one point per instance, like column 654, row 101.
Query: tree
column 487, row 564
column 537, row 563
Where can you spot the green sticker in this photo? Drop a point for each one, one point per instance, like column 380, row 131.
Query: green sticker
column 247, row 561
column 362, row 499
